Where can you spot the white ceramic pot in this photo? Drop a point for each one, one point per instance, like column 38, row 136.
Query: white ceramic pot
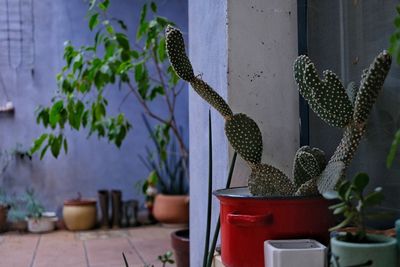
column 297, row 252
column 46, row 223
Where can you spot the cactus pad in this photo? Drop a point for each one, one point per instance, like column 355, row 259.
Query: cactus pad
column 308, row 164
column 352, row 90
column 245, row 137
column 308, row 188
column 177, row 54
column 326, row 97
column 266, row 180
column 371, row 84
column 212, row 97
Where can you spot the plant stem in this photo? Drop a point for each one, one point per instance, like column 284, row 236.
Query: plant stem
column 209, row 199
column 218, row 226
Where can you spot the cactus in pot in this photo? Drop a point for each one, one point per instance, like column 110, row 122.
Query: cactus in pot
column 348, row 109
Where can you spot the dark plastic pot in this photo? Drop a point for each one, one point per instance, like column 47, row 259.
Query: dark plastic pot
column 3, row 217
column 247, row 221
column 180, row 244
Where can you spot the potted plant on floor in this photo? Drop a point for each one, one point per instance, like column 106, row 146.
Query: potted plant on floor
column 38, row 220
column 274, row 206
column 358, row 247
column 4, row 207
column 166, row 187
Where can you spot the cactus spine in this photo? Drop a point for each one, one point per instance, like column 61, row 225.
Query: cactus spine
column 345, row 108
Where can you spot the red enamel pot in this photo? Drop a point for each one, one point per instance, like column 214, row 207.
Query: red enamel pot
column 247, row 221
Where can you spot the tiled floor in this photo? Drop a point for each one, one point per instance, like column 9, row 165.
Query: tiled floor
column 140, row 245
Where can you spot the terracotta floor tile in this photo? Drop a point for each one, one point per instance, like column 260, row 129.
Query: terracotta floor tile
column 149, row 250
column 17, row 250
column 109, row 252
column 60, row 249
column 85, row 249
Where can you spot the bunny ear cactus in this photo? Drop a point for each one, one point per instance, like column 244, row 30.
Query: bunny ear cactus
column 348, row 109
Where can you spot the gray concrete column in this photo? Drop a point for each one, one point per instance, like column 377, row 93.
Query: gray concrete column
column 244, row 50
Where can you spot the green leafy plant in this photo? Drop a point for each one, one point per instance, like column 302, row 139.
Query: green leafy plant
column 394, row 50
column 34, row 208
column 167, row 167
column 113, row 58
column 18, row 208
column 355, row 204
column 165, row 259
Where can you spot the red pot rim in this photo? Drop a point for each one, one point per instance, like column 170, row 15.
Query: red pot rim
column 243, row 192
column 80, row 202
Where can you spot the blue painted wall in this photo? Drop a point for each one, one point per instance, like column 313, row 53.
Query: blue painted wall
column 90, row 164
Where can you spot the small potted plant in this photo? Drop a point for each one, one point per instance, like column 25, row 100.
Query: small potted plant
column 38, row 220
column 17, row 214
column 166, row 187
column 357, row 247
column 4, row 207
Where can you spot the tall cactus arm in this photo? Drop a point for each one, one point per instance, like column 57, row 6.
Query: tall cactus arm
column 212, row 97
column 177, row 55
column 182, row 66
column 370, row 86
column 348, row 144
column 266, row 180
column 332, row 174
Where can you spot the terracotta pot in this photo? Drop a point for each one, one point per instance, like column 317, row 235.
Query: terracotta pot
column 3, row 218
column 80, row 214
column 181, row 245
column 171, row 209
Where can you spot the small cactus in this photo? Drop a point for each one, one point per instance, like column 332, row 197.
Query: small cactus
column 308, row 164
column 345, row 108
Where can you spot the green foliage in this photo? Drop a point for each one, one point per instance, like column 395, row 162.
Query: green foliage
column 168, row 169
column 33, row 206
column 394, row 47
column 393, row 149
column 394, row 50
column 166, row 258
column 354, row 204
column 90, row 70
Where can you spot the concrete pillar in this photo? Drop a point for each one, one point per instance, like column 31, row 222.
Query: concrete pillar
column 244, row 50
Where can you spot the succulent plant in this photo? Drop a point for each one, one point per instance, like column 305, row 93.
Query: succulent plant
column 345, row 108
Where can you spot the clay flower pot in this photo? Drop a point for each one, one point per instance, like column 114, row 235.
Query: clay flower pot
column 171, row 209
column 80, row 214
column 181, row 245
